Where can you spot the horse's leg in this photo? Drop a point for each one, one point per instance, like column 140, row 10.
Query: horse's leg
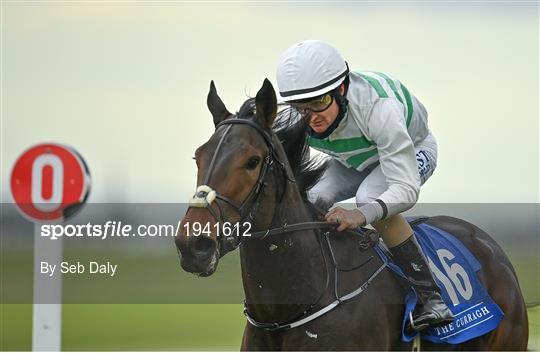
column 379, row 316
column 374, row 319
column 247, row 341
column 500, row 280
column 395, row 314
column 255, row 339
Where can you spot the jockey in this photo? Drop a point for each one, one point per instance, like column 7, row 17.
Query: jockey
column 381, row 152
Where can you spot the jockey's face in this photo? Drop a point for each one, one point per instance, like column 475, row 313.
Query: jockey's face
column 321, row 121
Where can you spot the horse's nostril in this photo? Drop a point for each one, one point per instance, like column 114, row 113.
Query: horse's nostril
column 203, row 246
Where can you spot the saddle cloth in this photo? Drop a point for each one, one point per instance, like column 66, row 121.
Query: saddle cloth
column 454, row 268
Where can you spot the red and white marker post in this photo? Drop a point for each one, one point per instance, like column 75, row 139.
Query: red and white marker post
column 49, row 183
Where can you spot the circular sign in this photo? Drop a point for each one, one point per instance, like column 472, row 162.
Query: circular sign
column 50, row 182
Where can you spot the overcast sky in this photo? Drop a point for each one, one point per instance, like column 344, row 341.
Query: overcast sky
column 126, row 84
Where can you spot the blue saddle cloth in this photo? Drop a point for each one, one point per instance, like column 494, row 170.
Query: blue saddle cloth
column 454, row 268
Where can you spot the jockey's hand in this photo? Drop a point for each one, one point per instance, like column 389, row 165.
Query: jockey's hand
column 346, row 218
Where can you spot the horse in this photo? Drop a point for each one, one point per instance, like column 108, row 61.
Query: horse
column 306, row 286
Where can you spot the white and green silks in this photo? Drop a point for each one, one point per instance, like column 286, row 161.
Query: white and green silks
column 384, row 122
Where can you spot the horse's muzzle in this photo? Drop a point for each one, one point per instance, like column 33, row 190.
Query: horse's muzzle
column 198, row 254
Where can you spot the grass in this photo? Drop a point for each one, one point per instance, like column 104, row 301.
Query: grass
column 143, row 279
column 156, row 327
column 534, row 328
column 132, row 327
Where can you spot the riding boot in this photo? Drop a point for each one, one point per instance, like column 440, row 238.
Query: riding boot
column 430, row 309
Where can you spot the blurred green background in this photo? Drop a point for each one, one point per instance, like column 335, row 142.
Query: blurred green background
column 109, row 327
column 155, row 327
column 133, row 327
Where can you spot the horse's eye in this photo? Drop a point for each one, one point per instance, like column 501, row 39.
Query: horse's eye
column 252, row 162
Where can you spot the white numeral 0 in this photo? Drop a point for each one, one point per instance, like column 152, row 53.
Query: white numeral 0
column 454, row 272
column 57, row 193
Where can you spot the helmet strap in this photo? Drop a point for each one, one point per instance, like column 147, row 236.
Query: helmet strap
column 341, row 99
column 342, row 102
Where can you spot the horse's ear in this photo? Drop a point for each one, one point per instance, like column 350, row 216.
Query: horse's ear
column 266, row 104
column 216, row 106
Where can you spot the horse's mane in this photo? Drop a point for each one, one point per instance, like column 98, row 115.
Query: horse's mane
column 291, row 130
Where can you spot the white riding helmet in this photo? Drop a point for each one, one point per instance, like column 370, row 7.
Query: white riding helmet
column 309, row 69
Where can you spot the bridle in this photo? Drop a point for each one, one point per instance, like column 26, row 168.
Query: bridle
column 205, row 197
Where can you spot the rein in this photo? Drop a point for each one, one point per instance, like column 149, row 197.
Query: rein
column 295, row 227
column 205, row 196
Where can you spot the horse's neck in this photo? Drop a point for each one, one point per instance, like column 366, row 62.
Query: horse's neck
column 284, row 268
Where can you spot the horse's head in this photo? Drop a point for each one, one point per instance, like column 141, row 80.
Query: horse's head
column 235, row 175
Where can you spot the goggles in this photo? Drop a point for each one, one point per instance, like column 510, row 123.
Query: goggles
column 315, row 105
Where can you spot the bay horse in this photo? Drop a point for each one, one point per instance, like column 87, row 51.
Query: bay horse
column 306, row 286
